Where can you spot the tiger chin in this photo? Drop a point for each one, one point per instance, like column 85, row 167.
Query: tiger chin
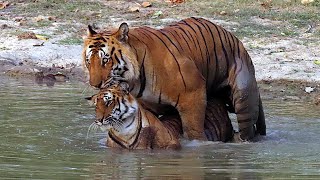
column 131, row 126
column 182, row 65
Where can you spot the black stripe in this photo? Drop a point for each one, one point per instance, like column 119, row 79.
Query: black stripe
column 207, row 49
column 139, row 130
column 195, row 32
column 103, row 39
column 142, row 76
column 116, row 140
column 223, row 47
column 117, row 59
column 159, row 99
column 182, row 37
column 122, row 56
column 177, row 101
column 126, row 108
column 216, row 75
column 161, row 31
column 131, row 122
column 112, row 51
column 191, row 37
column 185, row 86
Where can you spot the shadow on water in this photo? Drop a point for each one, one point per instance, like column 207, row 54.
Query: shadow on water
column 43, row 135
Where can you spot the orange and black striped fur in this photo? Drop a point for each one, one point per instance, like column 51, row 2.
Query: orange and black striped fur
column 181, row 65
column 129, row 125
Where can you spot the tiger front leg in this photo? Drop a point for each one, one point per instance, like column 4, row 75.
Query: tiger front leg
column 192, row 108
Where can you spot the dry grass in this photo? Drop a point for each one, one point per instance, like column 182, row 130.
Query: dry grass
column 263, row 18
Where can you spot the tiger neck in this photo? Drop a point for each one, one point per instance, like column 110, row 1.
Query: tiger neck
column 129, row 135
column 141, row 51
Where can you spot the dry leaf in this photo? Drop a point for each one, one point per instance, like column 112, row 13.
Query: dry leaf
column 267, row 4
column 175, row 1
column 4, row 5
column 41, row 37
column 134, row 9
column 146, row 4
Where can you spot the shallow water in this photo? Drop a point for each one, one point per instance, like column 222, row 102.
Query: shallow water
column 43, row 136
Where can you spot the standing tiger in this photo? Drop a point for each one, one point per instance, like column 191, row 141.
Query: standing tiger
column 130, row 126
column 181, row 65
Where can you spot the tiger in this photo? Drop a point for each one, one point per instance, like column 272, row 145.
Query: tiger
column 131, row 126
column 181, row 65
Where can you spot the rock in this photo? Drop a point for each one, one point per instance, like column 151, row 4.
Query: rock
column 308, row 89
column 4, row 26
column 223, row 13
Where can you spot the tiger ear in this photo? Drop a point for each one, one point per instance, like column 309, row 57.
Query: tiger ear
column 122, row 33
column 90, row 31
column 124, row 87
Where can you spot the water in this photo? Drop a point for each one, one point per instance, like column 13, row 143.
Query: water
column 43, row 136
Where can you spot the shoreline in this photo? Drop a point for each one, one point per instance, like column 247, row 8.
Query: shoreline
column 271, row 89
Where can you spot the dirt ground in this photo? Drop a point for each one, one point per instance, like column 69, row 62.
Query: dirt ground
column 282, row 37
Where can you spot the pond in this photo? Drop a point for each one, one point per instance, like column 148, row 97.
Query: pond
column 43, row 135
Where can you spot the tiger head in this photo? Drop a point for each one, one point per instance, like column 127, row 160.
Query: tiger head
column 113, row 106
column 108, row 55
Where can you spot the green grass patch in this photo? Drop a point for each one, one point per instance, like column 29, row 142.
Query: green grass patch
column 71, row 41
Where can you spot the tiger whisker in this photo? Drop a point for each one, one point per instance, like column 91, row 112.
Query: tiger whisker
column 90, row 128
column 85, row 89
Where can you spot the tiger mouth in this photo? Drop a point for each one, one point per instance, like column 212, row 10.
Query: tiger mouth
column 110, row 122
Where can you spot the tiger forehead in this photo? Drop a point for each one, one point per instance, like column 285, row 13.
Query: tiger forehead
column 99, row 40
column 112, row 91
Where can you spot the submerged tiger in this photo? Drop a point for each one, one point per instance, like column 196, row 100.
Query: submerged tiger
column 130, row 126
column 182, row 65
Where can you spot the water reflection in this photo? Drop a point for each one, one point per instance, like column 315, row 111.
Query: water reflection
column 43, row 133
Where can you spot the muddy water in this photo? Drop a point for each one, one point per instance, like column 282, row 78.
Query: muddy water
column 43, row 131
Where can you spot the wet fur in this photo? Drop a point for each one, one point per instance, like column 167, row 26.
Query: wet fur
column 182, row 65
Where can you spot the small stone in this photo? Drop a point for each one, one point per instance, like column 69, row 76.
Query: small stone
column 4, row 26
column 38, row 18
column 18, row 19
column 237, row 10
column 309, row 89
column 223, row 13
